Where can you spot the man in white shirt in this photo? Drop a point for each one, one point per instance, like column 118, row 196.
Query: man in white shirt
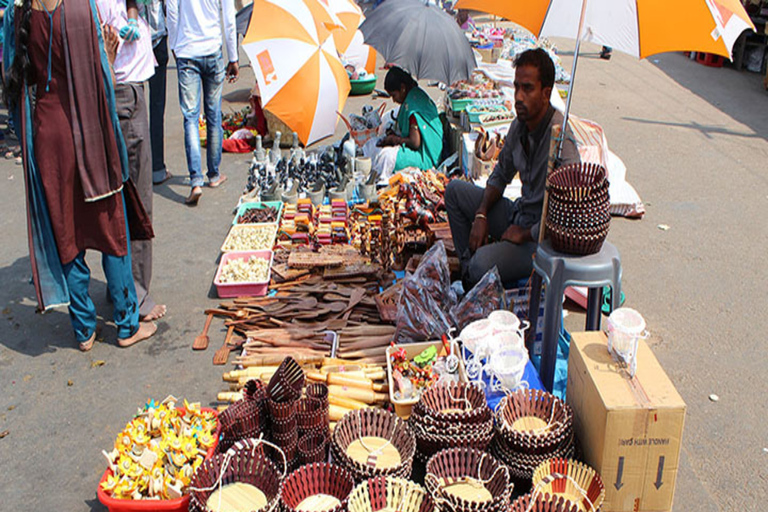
column 194, row 36
column 135, row 64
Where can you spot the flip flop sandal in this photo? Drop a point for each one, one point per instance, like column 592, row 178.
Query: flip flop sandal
column 606, row 307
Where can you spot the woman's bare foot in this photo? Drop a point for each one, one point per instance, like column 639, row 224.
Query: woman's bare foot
column 87, row 345
column 146, row 329
column 157, row 313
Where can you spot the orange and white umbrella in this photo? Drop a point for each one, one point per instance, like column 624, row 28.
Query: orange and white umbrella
column 350, row 16
column 637, row 27
column 360, row 54
column 300, row 77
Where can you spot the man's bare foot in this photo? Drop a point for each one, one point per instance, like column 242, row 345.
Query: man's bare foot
column 157, row 313
column 87, row 345
column 194, row 196
column 146, row 329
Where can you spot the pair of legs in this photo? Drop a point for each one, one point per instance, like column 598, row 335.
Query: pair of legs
column 514, row 261
column 82, row 312
column 202, row 79
column 157, row 112
column 132, row 112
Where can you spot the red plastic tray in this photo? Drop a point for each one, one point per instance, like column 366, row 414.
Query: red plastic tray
column 177, row 505
column 230, row 290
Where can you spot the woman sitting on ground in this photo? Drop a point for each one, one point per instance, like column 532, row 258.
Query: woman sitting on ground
column 417, row 138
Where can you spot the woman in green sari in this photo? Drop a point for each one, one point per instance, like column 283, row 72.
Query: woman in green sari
column 417, row 140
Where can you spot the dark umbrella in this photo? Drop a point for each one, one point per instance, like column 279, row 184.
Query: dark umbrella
column 420, row 38
column 243, row 19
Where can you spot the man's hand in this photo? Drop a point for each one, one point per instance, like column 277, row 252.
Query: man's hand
column 130, row 32
column 233, row 72
column 111, row 42
column 517, row 235
column 478, row 236
column 389, row 140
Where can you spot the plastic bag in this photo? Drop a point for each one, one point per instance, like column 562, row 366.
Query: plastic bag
column 434, row 275
column 487, row 296
column 419, row 316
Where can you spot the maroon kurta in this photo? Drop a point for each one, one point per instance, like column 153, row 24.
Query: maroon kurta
column 77, row 225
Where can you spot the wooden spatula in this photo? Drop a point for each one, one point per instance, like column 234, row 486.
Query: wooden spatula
column 222, row 355
column 201, row 342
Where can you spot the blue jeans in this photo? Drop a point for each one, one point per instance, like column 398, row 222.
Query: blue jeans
column 206, row 74
column 82, row 312
column 157, row 110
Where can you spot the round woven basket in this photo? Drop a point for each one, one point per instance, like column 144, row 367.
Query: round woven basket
column 389, row 494
column 318, row 487
column 318, row 391
column 287, row 382
column 357, row 431
column 570, row 241
column 312, row 448
column 571, row 480
column 450, row 416
column 532, row 416
column 283, row 411
column 471, row 473
column 311, row 415
column 246, row 418
column 451, row 403
column 576, row 180
column 543, row 503
column 245, row 463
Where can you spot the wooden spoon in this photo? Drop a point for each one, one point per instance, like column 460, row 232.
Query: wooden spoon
column 201, row 342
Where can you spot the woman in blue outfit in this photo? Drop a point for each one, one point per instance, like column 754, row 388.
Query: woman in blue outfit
column 75, row 161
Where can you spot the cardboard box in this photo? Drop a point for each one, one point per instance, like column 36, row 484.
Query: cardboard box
column 630, row 428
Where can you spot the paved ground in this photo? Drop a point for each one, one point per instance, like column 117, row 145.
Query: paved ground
column 694, row 141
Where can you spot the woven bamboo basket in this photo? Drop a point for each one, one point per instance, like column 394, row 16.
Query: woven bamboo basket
column 246, row 418
column 318, row 487
column 449, row 416
column 312, row 448
column 465, row 479
column 542, row 503
column 522, row 465
column 532, row 417
column 244, row 463
column 453, row 403
column 311, row 414
column 386, row 494
column 282, row 411
column 577, row 180
column 572, row 480
column 287, row 382
column 569, row 241
column 318, row 391
column 373, row 442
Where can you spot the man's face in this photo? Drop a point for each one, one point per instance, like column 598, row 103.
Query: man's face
column 531, row 99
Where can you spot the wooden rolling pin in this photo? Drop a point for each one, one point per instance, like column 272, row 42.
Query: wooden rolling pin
column 335, row 413
column 253, row 371
column 347, row 403
column 229, row 396
column 368, row 396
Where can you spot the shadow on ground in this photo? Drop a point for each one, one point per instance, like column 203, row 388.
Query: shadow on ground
column 717, row 86
column 25, row 330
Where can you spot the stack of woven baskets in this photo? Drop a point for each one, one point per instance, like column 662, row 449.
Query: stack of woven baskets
column 373, row 442
column 451, row 415
column 532, row 426
column 246, row 418
column 317, row 486
column 577, row 210
column 465, row 479
column 562, row 485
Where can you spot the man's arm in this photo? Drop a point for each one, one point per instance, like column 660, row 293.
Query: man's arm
column 230, row 36
column 172, row 23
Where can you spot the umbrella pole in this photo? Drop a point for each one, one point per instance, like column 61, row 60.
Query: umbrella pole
column 567, row 112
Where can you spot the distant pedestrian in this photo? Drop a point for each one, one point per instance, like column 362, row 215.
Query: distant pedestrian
column 134, row 65
column 154, row 12
column 194, row 36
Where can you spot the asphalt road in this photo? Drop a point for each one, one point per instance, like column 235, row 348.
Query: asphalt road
column 694, row 142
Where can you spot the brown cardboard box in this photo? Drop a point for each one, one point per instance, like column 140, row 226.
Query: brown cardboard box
column 630, row 428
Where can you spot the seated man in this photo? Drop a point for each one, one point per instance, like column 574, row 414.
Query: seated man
column 474, row 213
